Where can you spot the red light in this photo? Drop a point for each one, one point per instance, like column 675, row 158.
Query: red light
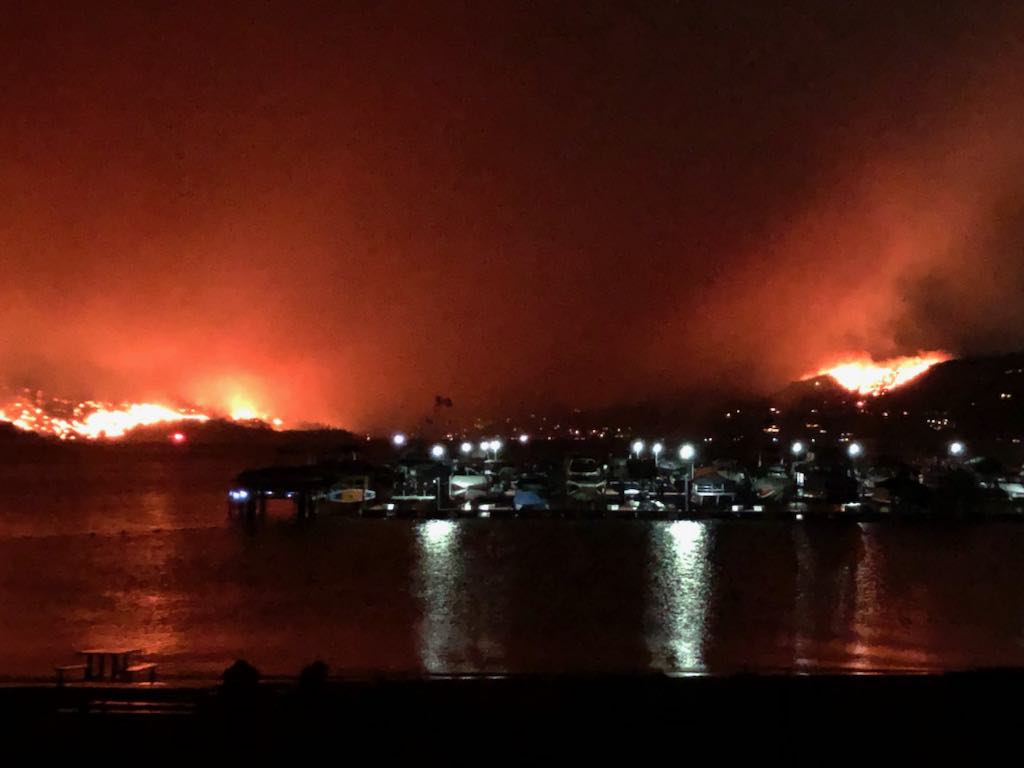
column 178, row 438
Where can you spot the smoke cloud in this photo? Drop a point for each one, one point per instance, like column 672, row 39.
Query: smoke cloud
column 338, row 214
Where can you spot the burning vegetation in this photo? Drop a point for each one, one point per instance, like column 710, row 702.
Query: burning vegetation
column 95, row 420
column 864, row 376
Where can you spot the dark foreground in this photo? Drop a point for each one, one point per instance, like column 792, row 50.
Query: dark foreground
column 492, row 718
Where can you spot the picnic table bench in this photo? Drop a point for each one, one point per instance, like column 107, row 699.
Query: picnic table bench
column 65, row 670
column 133, row 670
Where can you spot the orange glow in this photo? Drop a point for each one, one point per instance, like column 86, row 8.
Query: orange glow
column 178, row 438
column 242, row 408
column 865, row 376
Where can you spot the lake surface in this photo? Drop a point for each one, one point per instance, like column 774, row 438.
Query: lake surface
column 133, row 547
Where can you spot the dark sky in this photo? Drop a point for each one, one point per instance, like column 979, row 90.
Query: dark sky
column 340, row 210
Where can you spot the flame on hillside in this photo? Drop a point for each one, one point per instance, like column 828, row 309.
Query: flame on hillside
column 94, row 420
column 864, row 376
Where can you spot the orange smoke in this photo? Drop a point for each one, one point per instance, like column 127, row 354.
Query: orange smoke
column 865, row 376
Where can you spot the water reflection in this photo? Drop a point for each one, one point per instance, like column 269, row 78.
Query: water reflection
column 866, row 601
column 526, row 596
column 679, row 595
column 804, row 641
column 872, row 645
column 826, row 597
column 438, row 577
column 143, row 615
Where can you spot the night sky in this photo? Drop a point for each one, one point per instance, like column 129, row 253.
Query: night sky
column 342, row 210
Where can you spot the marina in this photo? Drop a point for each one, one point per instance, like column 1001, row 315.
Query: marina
column 425, row 484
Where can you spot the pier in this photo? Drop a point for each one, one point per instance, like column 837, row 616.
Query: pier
column 305, row 487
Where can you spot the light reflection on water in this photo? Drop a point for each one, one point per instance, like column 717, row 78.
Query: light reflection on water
column 145, row 618
column 437, row 581
column 142, row 554
column 868, row 644
column 863, row 638
column 678, row 597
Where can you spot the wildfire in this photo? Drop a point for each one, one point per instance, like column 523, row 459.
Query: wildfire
column 93, row 420
column 865, row 376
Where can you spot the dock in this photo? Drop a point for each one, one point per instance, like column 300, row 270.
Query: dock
column 305, row 487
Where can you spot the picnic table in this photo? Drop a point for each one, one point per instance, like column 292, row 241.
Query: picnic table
column 109, row 663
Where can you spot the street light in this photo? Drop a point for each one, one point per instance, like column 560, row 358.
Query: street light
column 854, row 450
column 466, row 447
column 485, row 446
column 437, row 451
column 398, row 439
column 496, row 445
column 524, row 439
column 687, row 452
column 797, row 448
column 638, row 447
column 656, row 449
column 956, row 449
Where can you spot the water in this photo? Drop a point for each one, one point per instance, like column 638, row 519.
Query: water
column 124, row 547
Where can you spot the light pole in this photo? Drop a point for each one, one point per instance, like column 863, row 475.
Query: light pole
column 797, row 449
column 688, row 453
column 637, row 448
column 437, row 452
column 656, row 449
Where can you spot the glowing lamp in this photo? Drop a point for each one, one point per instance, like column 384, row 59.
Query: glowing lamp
column 854, row 450
column 956, row 448
column 638, row 447
column 466, row 447
column 797, row 448
column 398, row 439
column 656, row 449
column 437, row 451
column 524, row 439
column 687, row 452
